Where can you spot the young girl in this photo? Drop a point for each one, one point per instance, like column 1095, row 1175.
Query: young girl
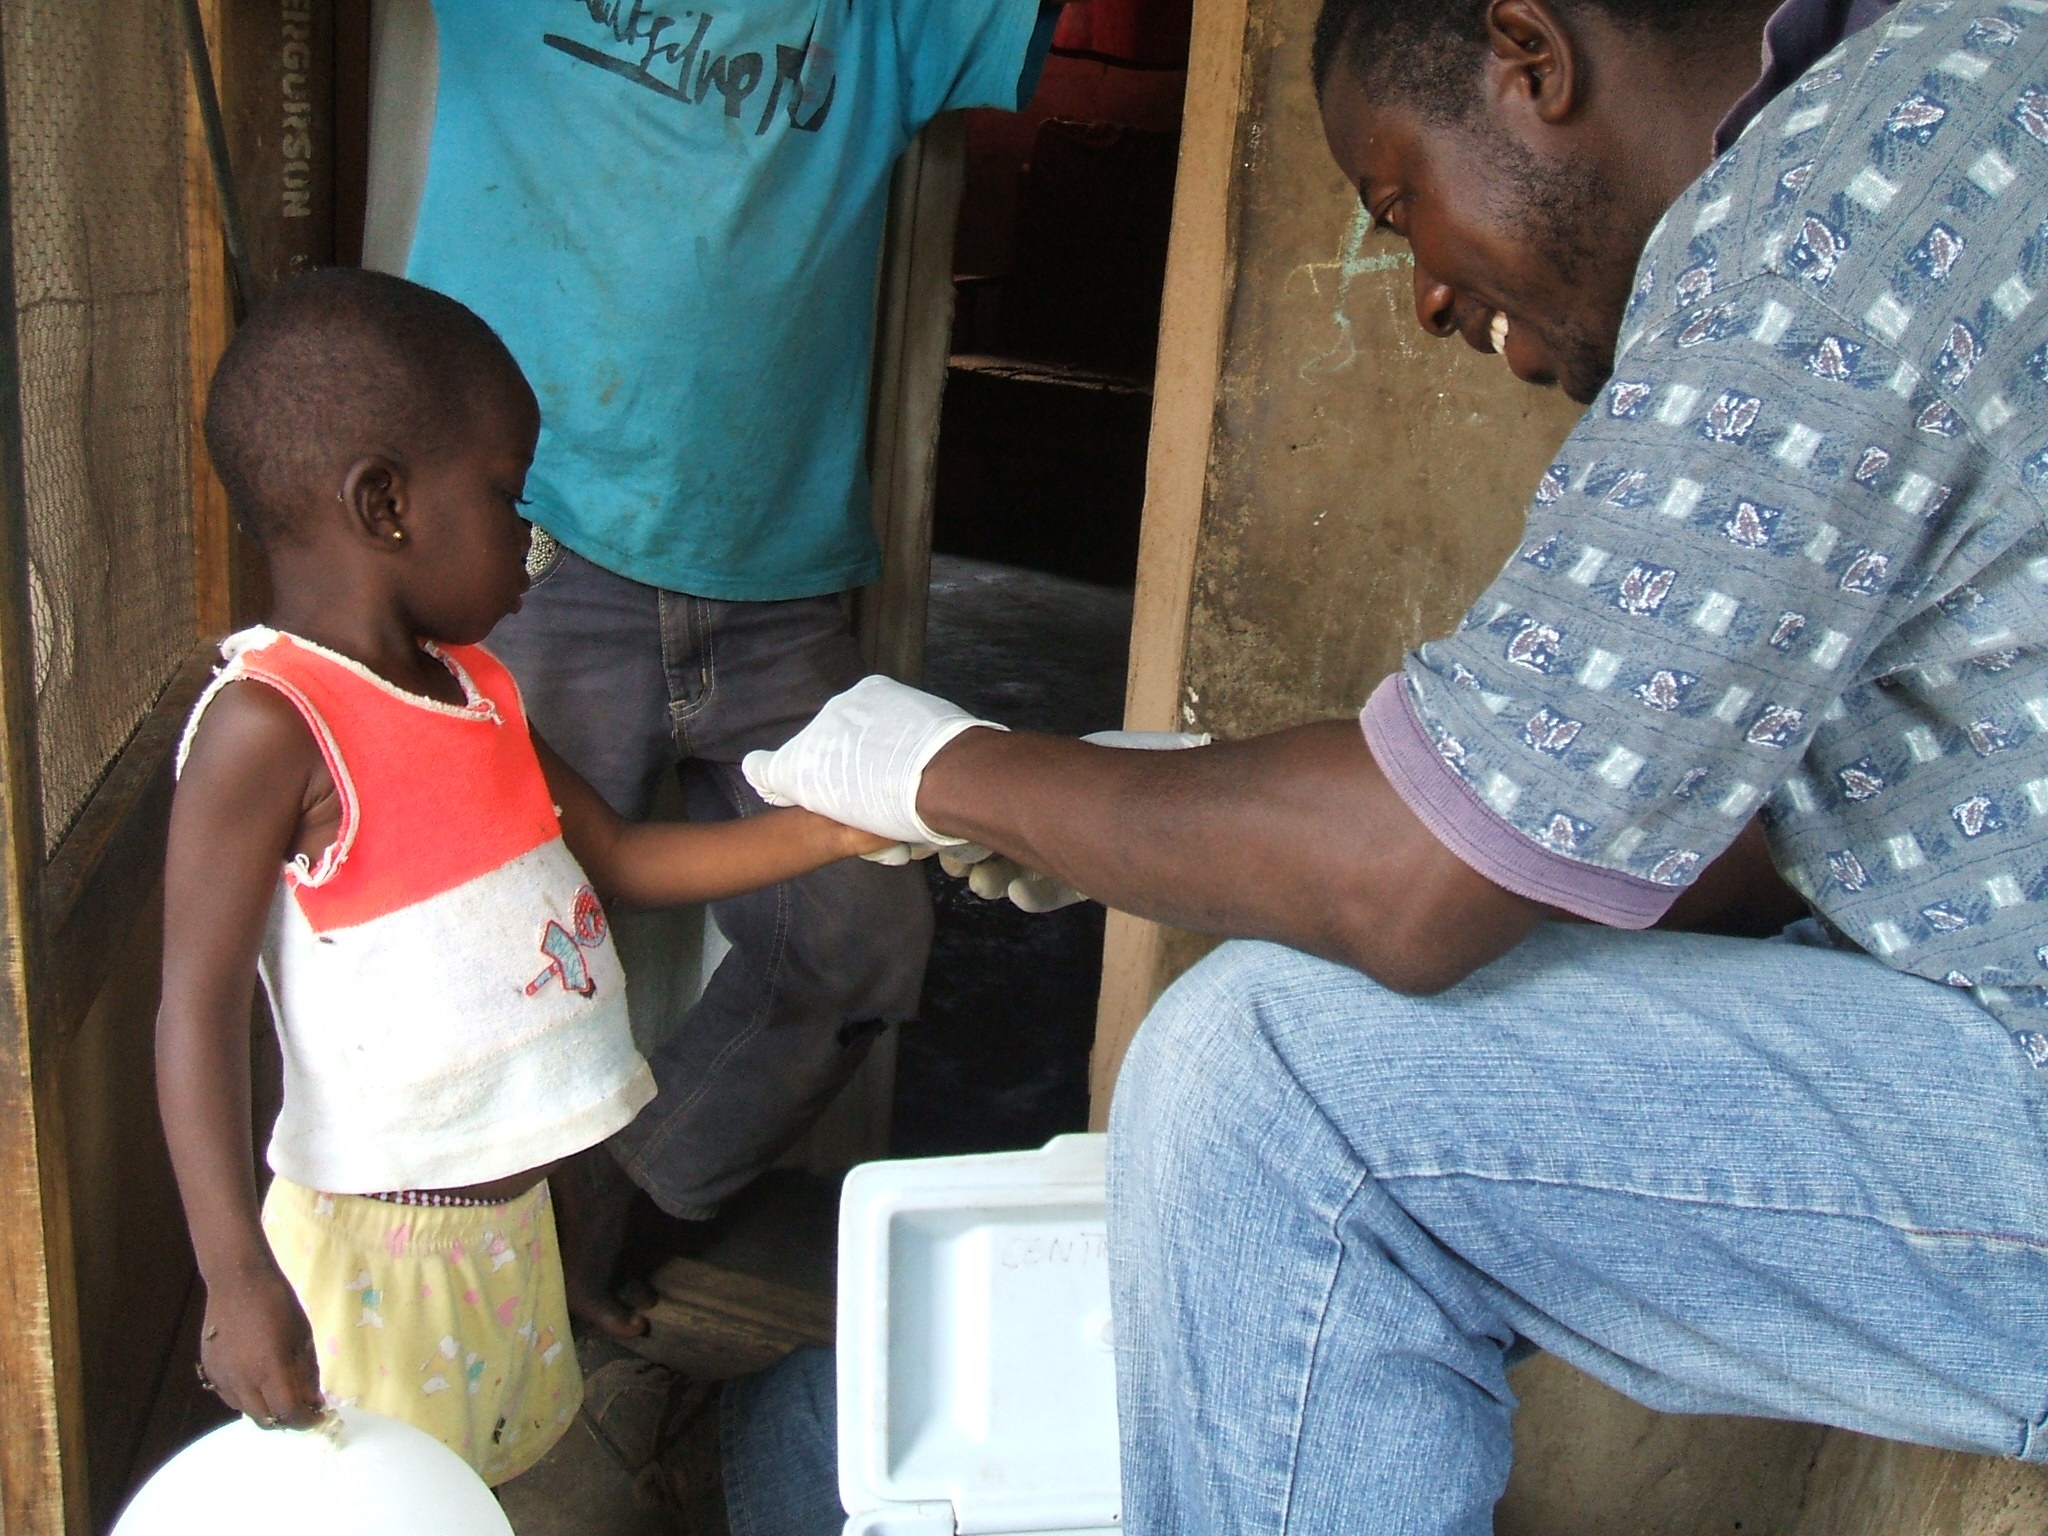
column 364, row 817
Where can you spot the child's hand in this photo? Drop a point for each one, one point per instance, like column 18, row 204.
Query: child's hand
column 256, row 1352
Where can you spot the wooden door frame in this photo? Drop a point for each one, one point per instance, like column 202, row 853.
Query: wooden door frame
column 1201, row 273
column 913, row 337
column 57, row 913
column 42, row 1403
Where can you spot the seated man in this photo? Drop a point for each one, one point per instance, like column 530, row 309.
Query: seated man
column 1792, row 562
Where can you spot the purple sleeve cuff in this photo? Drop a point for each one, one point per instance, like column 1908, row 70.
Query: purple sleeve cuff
column 1469, row 827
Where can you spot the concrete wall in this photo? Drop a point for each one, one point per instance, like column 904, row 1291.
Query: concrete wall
column 1365, row 479
column 1328, row 487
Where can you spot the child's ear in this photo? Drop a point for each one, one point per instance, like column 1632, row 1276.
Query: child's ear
column 378, row 500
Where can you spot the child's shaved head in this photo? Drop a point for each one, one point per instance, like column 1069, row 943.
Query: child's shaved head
column 333, row 367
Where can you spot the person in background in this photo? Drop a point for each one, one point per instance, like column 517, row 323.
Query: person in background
column 674, row 219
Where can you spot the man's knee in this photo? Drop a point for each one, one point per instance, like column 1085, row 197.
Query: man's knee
column 1213, row 1024
column 1227, row 1055
column 1199, row 1063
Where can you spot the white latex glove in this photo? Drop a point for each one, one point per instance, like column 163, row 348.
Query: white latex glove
column 954, row 858
column 861, row 759
column 957, row 861
column 897, row 854
column 993, row 878
column 1150, row 741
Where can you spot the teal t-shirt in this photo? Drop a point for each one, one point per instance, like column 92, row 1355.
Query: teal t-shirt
column 674, row 219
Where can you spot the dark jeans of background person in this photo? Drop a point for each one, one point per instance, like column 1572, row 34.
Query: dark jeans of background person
column 628, row 682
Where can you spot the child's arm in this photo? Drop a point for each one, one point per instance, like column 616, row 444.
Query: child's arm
column 663, row 864
column 240, row 803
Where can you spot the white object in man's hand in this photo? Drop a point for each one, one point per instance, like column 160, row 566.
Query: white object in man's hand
column 860, row 760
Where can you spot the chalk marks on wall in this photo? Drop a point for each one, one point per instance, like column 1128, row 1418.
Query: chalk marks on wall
column 1333, row 282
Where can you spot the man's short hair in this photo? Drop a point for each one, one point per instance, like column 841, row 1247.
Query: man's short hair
column 1427, row 53
column 336, row 365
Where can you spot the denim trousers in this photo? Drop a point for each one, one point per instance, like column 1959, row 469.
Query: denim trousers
column 1721, row 1175
column 629, row 683
column 778, row 1436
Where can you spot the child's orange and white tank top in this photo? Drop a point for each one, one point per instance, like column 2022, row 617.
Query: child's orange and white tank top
column 443, row 980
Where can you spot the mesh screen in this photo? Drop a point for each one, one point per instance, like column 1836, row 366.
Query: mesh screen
column 96, row 148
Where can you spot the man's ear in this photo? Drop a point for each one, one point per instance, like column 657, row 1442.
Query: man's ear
column 1535, row 64
column 378, row 499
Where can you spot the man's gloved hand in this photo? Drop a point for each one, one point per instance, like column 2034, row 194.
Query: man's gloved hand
column 861, row 759
column 991, row 876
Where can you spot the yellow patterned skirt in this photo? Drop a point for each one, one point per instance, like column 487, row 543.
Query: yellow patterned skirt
column 452, row 1318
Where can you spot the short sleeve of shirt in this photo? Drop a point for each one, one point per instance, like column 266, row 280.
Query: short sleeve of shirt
column 961, row 53
column 1733, row 530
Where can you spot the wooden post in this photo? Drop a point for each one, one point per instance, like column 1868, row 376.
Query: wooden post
column 351, row 72
column 42, row 1455
column 912, row 338
column 1201, row 267
column 210, row 325
column 276, row 64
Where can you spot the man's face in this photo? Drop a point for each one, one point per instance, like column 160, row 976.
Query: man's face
column 1496, row 230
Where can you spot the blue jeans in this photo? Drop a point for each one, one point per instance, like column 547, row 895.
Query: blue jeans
column 628, row 683
column 778, row 1436
column 1719, row 1175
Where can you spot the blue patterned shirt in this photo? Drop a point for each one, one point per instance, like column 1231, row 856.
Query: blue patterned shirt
column 1794, row 559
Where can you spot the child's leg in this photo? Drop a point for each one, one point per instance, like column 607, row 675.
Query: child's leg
column 450, row 1318
column 593, row 1200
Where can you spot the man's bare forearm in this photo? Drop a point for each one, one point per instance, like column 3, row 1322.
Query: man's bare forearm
column 1295, row 837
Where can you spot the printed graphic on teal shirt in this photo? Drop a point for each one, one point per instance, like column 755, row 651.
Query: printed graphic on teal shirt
column 651, row 51
column 1795, row 558
column 674, row 219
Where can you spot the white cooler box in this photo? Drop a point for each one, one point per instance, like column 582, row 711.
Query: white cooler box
column 977, row 1382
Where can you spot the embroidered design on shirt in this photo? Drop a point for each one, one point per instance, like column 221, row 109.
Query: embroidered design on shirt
column 564, row 948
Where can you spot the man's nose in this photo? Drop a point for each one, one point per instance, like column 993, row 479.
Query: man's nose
column 1434, row 304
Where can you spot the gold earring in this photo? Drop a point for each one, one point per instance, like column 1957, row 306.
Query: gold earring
column 398, row 535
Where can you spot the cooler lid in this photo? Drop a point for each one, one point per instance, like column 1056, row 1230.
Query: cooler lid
column 977, row 1383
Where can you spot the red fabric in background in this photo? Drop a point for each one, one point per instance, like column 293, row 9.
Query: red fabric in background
column 1150, row 33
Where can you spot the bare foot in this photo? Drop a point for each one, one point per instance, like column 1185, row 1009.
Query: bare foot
column 593, row 1198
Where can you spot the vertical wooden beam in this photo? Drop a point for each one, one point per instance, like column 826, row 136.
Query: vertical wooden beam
column 1201, row 268
column 276, row 67
column 913, row 332
column 351, row 128
column 42, row 1455
column 210, row 324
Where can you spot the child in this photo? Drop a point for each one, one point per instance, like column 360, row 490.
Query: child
column 364, row 816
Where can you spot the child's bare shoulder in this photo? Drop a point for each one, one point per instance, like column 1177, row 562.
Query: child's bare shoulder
column 251, row 737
